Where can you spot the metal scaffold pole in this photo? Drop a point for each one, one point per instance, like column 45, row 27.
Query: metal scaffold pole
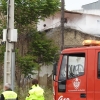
column 9, row 36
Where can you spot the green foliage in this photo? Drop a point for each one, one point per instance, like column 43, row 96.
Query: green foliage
column 26, row 64
column 42, row 48
column 2, row 49
column 28, row 11
column 2, row 22
column 41, row 51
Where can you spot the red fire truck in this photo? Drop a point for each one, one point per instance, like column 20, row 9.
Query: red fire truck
column 76, row 76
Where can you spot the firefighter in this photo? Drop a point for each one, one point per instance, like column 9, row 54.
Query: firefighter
column 36, row 92
column 8, row 94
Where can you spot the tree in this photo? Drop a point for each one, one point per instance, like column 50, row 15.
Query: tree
column 43, row 48
column 2, row 49
column 28, row 11
column 24, row 66
column 41, row 51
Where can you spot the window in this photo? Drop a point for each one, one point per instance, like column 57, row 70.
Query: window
column 98, row 73
column 98, row 21
column 76, row 65
column 72, row 66
column 62, row 75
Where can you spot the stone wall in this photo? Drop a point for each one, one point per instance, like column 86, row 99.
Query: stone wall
column 72, row 37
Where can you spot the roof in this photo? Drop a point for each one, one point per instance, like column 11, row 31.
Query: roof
column 80, row 12
column 73, row 12
column 90, row 3
column 93, row 5
column 80, row 48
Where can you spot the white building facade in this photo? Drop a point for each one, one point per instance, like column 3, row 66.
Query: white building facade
column 85, row 22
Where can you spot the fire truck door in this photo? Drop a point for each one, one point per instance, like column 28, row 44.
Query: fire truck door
column 97, row 75
column 72, row 77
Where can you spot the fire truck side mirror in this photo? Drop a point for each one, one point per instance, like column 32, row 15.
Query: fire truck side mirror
column 55, row 69
column 55, row 62
column 54, row 72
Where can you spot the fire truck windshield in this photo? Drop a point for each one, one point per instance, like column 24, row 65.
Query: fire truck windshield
column 72, row 66
column 75, row 66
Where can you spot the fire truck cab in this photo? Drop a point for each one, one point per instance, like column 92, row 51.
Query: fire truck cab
column 76, row 76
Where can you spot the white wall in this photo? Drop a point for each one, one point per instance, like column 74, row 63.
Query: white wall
column 51, row 22
column 87, row 23
column 41, row 23
column 95, row 12
column 45, row 74
column 46, row 70
column 75, row 21
column 92, row 24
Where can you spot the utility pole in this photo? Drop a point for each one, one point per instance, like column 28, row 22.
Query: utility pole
column 10, row 37
column 62, row 24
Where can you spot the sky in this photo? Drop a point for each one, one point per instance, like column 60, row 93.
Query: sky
column 76, row 4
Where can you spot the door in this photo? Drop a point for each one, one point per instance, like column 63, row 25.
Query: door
column 97, row 75
column 72, row 77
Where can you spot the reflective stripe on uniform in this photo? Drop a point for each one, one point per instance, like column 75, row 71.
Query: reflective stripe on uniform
column 9, row 95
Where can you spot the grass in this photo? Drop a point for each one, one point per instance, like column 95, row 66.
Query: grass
column 1, row 87
column 48, row 94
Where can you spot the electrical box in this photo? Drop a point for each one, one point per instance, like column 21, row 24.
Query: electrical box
column 12, row 36
column 4, row 34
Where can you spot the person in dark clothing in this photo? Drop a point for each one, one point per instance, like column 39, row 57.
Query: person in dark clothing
column 8, row 94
